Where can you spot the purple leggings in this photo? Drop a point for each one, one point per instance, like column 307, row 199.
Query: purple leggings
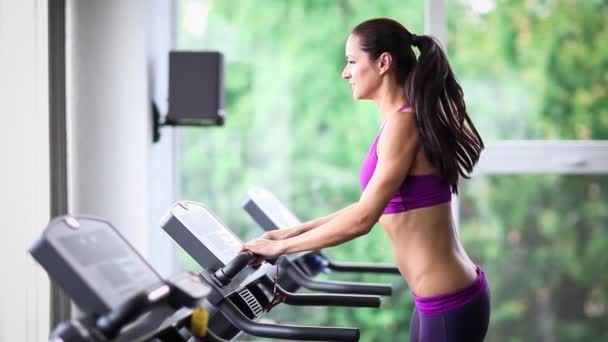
column 466, row 322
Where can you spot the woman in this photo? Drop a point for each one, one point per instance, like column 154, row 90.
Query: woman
column 425, row 143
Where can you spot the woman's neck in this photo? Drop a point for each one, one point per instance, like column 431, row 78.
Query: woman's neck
column 389, row 101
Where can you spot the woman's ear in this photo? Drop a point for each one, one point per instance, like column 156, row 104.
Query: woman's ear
column 384, row 62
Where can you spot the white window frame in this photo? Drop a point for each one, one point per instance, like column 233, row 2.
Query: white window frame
column 544, row 156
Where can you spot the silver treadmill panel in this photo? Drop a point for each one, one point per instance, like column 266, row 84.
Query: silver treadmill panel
column 208, row 229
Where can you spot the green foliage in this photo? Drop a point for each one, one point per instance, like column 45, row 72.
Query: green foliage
column 529, row 69
column 542, row 241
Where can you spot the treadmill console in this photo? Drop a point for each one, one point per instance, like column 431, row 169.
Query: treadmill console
column 94, row 265
column 201, row 234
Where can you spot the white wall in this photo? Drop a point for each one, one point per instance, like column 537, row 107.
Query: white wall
column 24, row 168
column 116, row 63
column 108, row 114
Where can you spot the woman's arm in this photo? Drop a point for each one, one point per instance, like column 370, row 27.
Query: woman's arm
column 286, row 233
column 394, row 161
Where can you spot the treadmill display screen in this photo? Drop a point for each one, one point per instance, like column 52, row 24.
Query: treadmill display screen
column 108, row 264
column 213, row 234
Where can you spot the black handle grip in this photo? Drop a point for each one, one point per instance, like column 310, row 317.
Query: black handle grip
column 338, row 286
column 314, row 299
column 225, row 274
column 286, row 332
column 361, row 267
column 111, row 323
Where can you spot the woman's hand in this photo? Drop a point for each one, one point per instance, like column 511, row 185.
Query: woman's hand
column 266, row 248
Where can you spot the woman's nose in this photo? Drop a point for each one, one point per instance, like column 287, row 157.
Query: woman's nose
column 345, row 74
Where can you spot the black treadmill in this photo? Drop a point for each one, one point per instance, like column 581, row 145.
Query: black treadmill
column 238, row 290
column 270, row 214
column 121, row 297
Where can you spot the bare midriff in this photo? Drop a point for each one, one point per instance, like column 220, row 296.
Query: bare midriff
column 427, row 250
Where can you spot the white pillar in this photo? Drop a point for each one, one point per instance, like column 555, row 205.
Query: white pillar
column 25, row 170
column 108, row 113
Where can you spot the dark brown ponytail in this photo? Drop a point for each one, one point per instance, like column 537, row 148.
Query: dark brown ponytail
column 450, row 140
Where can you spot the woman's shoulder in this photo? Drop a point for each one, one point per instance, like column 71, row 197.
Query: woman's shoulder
column 399, row 125
column 404, row 118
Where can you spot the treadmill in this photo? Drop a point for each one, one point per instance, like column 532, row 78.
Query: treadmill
column 270, row 214
column 121, row 297
column 239, row 290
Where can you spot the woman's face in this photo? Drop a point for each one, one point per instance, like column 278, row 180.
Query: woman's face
column 361, row 73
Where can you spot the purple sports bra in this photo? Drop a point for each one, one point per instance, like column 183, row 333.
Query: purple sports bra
column 416, row 191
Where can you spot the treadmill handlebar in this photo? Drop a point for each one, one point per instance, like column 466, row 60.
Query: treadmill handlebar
column 361, row 267
column 287, row 332
column 338, row 286
column 112, row 322
column 347, row 300
column 224, row 275
column 323, row 299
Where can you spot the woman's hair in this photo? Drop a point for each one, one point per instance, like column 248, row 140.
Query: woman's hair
column 447, row 134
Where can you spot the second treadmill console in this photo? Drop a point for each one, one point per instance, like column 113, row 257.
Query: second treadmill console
column 267, row 210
